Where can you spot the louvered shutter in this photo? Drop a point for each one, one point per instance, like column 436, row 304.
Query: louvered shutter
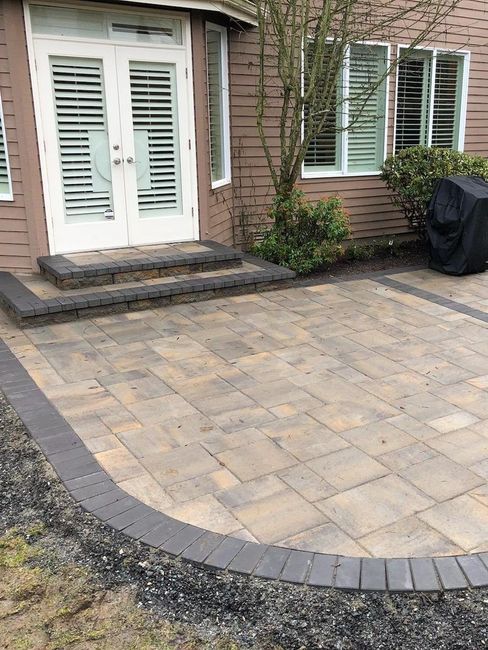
column 367, row 107
column 447, row 96
column 412, row 116
column 324, row 151
column 215, row 103
column 5, row 189
column 82, row 136
column 154, row 115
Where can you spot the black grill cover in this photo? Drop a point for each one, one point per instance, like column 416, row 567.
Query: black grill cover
column 457, row 225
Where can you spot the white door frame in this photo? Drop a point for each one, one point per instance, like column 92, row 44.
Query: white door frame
column 192, row 187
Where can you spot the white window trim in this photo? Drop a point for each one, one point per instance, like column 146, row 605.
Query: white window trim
column 464, row 92
column 8, row 196
column 227, row 178
column 343, row 172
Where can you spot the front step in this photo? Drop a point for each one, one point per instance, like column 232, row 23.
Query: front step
column 33, row 300
column 99, row 268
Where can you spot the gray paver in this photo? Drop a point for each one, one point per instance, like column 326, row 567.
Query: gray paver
column 399, row 575
column 223, row 555
column 373, row 574
column 450, row 573
column 424, row 574
column 348, row 573
column 202, row 547
column 297, row 566
column 182, row 540
column 272, row 562
column 323, row 570
column 247, row 558
column 474, row 569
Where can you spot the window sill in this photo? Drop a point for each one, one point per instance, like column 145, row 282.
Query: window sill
column 218, row 185
column 311, row 175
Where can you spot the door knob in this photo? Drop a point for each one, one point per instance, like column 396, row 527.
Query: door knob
column 116, row 161
column 130, row 160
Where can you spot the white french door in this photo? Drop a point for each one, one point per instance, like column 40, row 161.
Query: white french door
column 116, row 128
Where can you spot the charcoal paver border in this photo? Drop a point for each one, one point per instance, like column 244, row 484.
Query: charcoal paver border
column 93, row 489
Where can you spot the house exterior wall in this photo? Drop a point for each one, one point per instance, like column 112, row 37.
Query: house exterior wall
column 365, row 197
column 229, row 213
column 23, row 235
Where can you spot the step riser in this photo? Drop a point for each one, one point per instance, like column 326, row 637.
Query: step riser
column 136, row 276
column 137, row 305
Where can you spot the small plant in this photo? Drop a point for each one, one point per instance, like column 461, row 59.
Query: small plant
column 412, row 174
column 305, row 237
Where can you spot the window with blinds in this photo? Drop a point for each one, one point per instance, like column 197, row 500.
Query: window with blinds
column 5, row 179
column 218, row 104
column 429, row 100
column 352, row 140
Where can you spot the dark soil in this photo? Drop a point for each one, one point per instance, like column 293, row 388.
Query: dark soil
column 409, row 253
column 220, row 610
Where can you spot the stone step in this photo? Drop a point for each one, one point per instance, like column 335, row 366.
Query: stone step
column 31, row 300
column 98, row 268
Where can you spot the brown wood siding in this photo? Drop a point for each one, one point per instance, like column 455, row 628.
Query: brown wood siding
column 22, row 222
column 365, row 197
column 215, row 206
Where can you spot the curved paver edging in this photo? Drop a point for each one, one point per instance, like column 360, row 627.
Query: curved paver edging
column 93, row 489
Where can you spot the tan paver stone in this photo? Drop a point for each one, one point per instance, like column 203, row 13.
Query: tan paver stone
column 296, row 407
column 278, row 516
column 402, row 384
column 412, row 536
column 453, row 422
column 480, row 493
column 438, row 369
column 223, row 441
column 466, row 397
column 352, row 375
column 173, row 348
column 235, row 377
column 481, row 468
column 463, row 520
column 479, row 382
column 139, row 389
column 251, row 491
column 76, row 361
column 274, row 393
column 219, row 404
column 186, row 368
column 464, row 446
column 327, row 538
column 441, row 478
column 206, row 512
column 245, row 535
column 132, row 356
column 414, row 427
column 243, row 418
column 220, row 479
column 191, row 428
column 119, row 419
column 256, row 459
column 375, row 504
column 103, row 443
column 378, row 438
column 120, row 464
column 344, row 415
column 266, row 367
column 180, row 464
column 45, row 377
column 307, row 483
column 403, row 351
column 129, row 332
column 147, row 440
column 406, row 456
column 335, row 389
column 161, row 409
column 372, row 339
column 347, row 468
column 307, row 359
column 425, row 407
column 303, row 437
column 88, row 426
column 147, row 490
column 201, row 387
column 81, row 398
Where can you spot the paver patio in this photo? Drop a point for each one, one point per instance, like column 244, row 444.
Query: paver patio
column 346, row 418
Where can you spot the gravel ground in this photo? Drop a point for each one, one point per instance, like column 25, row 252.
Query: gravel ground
column 252, row 613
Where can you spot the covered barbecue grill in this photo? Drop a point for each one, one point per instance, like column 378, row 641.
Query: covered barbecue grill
column 457, row 225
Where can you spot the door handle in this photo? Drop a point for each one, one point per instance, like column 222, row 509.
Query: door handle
column 116, row 161
column 130, row 160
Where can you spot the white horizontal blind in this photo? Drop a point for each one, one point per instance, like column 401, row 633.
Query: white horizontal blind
column 447, row 102
column 413, row 93
column 5, row 180
column 367, row 105
column 154, row 115
column 324, row 151
column 82, row 136
column 215, row 103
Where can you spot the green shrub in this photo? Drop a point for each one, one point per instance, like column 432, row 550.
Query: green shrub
column 305, row 237
column 411, row 176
